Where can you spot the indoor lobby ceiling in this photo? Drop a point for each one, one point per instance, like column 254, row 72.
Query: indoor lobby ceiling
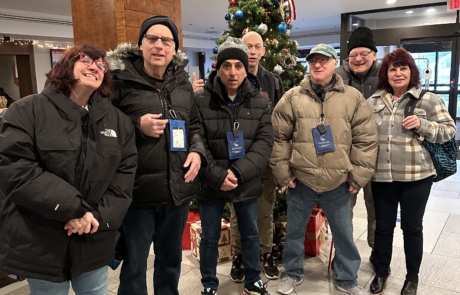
column 207, row 16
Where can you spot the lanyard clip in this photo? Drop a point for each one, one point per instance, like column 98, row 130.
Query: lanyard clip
column 236, row 125
column 172, row 113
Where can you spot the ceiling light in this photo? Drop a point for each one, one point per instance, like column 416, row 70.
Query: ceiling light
column 355, row 24
column 431, row 10
column 190, row 24
column 410, row 11
column 391, row 1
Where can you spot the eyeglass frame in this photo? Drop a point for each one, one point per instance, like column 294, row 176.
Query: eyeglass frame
column 162, row 39
column 317, row 60
column 106, row 67
column 367, row 53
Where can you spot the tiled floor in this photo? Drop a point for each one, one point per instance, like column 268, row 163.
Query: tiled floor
column 440, row 272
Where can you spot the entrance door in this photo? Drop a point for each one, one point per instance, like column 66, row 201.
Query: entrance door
column 438, row 62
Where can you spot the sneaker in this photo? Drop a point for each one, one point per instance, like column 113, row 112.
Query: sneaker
column 259, row 288
column 287, row 284
column 269, row 266
column 208, row 291
column 357, row 290
column 237, row 272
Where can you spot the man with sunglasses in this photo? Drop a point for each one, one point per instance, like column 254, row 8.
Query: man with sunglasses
column 361, row 71
column 152, row 88
column 325, row 149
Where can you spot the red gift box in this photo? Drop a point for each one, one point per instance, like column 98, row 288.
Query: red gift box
column 224, row 246
column 313, row 238
column 193, row 216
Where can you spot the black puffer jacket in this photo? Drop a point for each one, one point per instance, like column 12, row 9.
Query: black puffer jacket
column 271, row 85
column 366, row 85
column 48, row 179
column 254, row 117
column 160, row 175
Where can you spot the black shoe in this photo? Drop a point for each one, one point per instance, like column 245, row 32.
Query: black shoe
column 208, row 291
column 371, row 260
column 237, row 272
column 259, row 288
column 378, row 285
column 269, row 266
column 409, row 288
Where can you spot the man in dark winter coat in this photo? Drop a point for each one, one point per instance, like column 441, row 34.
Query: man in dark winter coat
column 361, row 72
column 239, row 140
column 272, row 88
column 152, row 88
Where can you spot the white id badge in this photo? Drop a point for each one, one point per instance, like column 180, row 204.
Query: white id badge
column 178, row 138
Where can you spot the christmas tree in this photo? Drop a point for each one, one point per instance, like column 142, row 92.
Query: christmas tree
column 272, row 19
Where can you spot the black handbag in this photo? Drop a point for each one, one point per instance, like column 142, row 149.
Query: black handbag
column 443, row 155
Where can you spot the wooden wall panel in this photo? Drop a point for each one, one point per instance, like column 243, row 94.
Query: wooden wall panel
column 95, row 22
column 110, row 22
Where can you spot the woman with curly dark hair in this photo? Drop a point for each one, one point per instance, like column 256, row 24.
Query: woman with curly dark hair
column 67, row 165
column 405, row 171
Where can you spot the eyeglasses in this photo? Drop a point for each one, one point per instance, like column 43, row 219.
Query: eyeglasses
column 362, row 54
column 88, row 61
column 152, row 39
column 321, row 60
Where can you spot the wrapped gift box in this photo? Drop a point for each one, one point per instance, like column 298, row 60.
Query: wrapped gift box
column 316, row 232
column 225, row 248
column 193, row 216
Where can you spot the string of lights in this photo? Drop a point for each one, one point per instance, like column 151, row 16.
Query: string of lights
column 40, row 44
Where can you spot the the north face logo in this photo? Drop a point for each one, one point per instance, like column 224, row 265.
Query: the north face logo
column 109, row 133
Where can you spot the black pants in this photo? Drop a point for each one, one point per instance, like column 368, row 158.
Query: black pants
column 412, row 197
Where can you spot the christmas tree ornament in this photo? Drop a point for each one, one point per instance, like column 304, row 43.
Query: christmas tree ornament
column 282, row 28
column 292, row 11
column 232, row 3
column 215, row 50
column 228, row 17
column 288, row 61
column 255, row 28
column 214, row 65
column 239, row 14
column 296, row 43
column 263, row 28
column 276, row 2
column 288, row 32
column 278, row 69
column 245, row 31
column 286, row 5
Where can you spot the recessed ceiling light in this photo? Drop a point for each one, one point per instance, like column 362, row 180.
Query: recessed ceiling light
column 190, row 24
column 212, row 27
column 391, row 1
column 355, row 24
column 410, row 11
column 431, row 10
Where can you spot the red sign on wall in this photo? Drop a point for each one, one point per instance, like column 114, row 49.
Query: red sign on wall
column 453, row 5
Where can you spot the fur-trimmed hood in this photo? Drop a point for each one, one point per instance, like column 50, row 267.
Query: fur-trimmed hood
column 126, row 52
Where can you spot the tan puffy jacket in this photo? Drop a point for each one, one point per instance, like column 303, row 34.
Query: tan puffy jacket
column 353, row 130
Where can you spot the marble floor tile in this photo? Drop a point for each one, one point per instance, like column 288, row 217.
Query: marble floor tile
column 453, row 224
column 443, row 194
column 447, row 245
column 444, row 205
column 447, row 185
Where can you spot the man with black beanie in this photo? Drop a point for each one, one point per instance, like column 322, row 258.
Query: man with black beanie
column 361, row 71
column 238, row 142
column 153, row 89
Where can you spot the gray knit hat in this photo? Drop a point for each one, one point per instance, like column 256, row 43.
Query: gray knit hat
column 233, row 48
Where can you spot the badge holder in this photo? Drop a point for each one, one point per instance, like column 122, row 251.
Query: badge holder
column 322, row 137
column 235, row 141
column 177, row 133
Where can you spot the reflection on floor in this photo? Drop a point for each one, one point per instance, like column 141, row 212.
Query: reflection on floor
column 440, row 272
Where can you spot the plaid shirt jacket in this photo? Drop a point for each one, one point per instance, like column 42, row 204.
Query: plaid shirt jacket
column 401, row 155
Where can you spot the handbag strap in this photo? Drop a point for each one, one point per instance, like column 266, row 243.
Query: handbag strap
column 410, row 106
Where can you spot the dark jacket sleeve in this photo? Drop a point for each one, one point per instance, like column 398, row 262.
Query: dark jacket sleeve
column 279, row 90
column 256, row 160
column 113, row 206
column 22, row 179
column 196, row 131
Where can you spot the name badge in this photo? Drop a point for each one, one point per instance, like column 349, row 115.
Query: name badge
column 322, row 137
column 177, row 132
column 235, row 144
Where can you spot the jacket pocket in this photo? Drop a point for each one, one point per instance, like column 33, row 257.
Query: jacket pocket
column 421, row 113
column 378, row 114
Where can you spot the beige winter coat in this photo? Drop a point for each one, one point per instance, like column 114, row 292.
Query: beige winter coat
column 353, row 130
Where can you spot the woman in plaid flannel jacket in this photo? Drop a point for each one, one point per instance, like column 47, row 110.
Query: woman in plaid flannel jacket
column 405, row 171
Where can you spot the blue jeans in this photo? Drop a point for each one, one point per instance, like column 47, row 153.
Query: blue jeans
column 336, row 205
column 89, row 283
column 211, row 215
column 163, row 225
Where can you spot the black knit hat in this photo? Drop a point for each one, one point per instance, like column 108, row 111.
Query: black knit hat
column 361, row 37
column 159, row 20
column 233, row 48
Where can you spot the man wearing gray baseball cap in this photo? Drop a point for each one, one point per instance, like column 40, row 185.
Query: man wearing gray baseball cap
column 325, row 148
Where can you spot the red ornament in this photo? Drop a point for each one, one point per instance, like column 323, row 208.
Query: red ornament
column 213, row 65
column 232, row 3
